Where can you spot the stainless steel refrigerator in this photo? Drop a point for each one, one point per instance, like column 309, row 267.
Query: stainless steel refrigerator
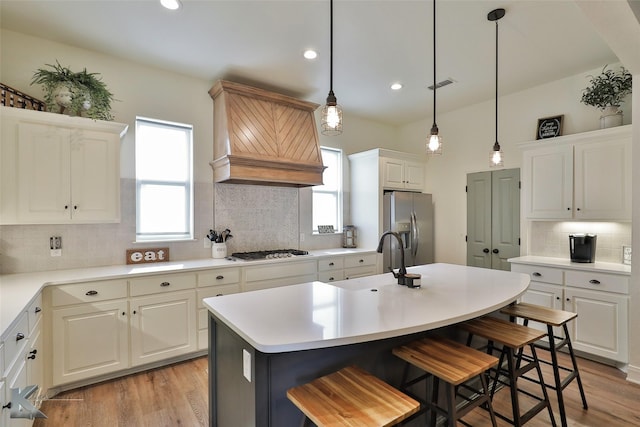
column 411, row 216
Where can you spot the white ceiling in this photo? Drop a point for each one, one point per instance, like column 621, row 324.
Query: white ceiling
column 376, row 43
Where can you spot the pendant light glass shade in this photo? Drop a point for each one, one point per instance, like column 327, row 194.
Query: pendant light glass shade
column 497, row 156
column 434, row 140
column 331, row 119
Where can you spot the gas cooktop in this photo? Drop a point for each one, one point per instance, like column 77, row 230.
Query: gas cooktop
column 270, row 254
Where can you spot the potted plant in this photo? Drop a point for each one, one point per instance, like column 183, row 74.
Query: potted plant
column 606, row 92
column 81, row 94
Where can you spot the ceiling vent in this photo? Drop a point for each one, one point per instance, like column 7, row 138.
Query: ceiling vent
column 442, row 83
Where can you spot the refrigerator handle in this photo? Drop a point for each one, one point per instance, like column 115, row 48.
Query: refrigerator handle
column 415, row 235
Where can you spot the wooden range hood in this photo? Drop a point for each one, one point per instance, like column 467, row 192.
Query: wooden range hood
column 262, row 137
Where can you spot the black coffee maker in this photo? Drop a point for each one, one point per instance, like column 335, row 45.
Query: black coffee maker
column 582, row 247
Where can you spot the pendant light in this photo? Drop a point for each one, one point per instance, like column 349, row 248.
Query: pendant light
column 331, row 112
column 434, row 141
column 497, row 156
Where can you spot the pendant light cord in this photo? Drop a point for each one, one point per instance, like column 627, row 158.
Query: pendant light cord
column 434, row 63
column 331, row 48
column 496, row 81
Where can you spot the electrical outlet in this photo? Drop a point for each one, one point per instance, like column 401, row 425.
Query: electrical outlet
column 55, row 246
column 246, row 364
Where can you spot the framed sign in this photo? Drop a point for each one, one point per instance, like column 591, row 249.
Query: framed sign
column 147, row 255
column 549, row 127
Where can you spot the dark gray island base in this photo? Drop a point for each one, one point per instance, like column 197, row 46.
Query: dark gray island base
column 264, row 342
column 235, row 402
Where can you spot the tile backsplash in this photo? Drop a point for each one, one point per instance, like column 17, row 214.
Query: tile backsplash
column 549, row 238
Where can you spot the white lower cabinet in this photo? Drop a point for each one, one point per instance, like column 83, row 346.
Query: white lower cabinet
column 360, row 265
column 162, row 326
column 600, row 300
column 89, row 340
column 279, row 274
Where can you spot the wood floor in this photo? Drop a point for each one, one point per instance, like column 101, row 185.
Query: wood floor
column 177, row 395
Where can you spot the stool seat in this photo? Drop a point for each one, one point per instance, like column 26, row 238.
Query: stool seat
column 448, row 360
column 537, row 313
column 352, row 397
column 501, row 331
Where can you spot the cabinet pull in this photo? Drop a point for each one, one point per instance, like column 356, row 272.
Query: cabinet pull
column 91, row 293
column 536, row 274
column 330, row 264
column 37, row 310
column 594, row 282
column 32, row 354
column 219, row 295
column 7, row 406
column 219, row 277
column 331, row 279
column 163, row 284
column 361, row 261
column 19, row 336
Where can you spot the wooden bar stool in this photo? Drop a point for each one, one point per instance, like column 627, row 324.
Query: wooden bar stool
column 455, row 364
column 512, row 337
column 352, row 397
column 552, row 318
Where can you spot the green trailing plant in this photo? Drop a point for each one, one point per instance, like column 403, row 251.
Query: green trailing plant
column 85, row 94
column 607, row 89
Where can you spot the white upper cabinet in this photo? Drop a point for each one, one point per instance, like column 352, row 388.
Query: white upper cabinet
column 583, row 176
column 402, row 174
column 59, row 169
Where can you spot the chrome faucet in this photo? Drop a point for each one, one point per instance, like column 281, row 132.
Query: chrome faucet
column 404, row 278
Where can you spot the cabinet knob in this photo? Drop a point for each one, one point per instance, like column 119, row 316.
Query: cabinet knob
column 485, row 250
column 330, row 264
column 124, row 314
column 66, row 207
column 558, row 298
column 164, row 284
column 19, row 336
column 361, row 261
column 495, row 251
column 75, row 207
column 37, row 310
column 134, row 312
column 219, row 277
column 7, row 406
column 33, row 356
column 536, row 274
column 594, row 282
column 568, row 299
column 91, row 293
column 331, row 279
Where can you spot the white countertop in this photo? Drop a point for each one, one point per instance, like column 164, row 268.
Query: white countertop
column 316, row 315
column 603, row 267
column 18, row 290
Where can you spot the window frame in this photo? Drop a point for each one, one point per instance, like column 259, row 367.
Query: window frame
column 338, row 194
column 188, row 185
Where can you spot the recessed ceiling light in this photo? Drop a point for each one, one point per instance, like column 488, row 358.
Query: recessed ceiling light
column 310, row 54
column 171, row 4
column 396, row 86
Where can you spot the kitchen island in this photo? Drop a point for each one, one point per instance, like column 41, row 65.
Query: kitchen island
column 264, row 342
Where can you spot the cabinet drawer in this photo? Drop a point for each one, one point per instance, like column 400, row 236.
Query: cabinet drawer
column 356, row 261
column 278, row 270
column 223, row 276
column 34, row 312
column 331, row 264
column 162, row 283
column 15, row 341
column 598, row 281
column 540, row 274
column 88, row 292
column 365, row 270
column 216, row 291
column 330, row 276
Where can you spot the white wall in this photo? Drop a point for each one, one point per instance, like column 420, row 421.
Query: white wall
column 155, row 93
column 469, row 134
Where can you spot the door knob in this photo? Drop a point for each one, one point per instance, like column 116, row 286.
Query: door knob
column 485, row 250
column 495, row 251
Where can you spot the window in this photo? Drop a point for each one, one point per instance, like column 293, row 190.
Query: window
column 327, row 198
column 164, row 180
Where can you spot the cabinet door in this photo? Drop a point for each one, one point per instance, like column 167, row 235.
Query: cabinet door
column 547, row 176
column 17, row 378
column 95, row 176
column 414, row 176
column 89, row 340
column 43, row 174
column 35, row 365
column 163, row 326
column 601, row 326
column 603, row 180
column 393, row 174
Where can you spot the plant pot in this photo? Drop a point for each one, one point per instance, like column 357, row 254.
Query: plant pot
column 611, row 117
column 62, row 96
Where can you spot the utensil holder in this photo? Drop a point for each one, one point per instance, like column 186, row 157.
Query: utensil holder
column 218, row 250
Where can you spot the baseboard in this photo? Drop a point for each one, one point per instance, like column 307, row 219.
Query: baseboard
column 633, row 374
